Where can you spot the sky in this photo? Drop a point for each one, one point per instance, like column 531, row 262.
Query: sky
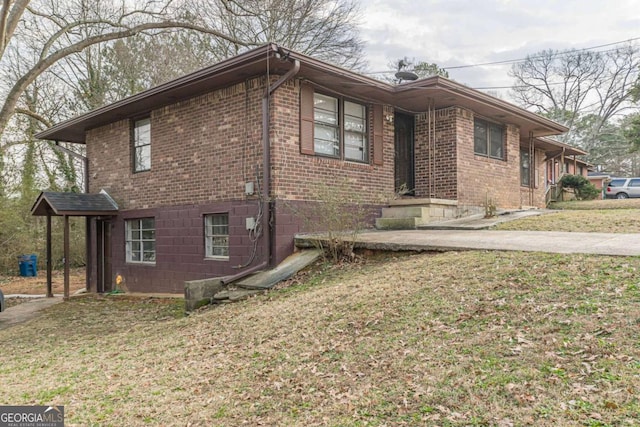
column 465, row 32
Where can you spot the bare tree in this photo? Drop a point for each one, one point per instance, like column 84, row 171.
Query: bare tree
column 570, row 85
column 65, row 28
column 325, row 29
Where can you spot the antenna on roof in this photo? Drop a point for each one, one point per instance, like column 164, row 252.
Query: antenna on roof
column 405, row 75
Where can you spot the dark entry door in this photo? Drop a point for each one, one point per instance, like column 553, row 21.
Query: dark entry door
column 404, row 142
column 103, row 255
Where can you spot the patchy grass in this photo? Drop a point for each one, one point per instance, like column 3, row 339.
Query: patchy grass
column 589, row 221
column 591, row 216
column 598, row 204
column 449, row 339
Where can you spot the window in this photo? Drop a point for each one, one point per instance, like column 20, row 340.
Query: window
column 141, row 240
column 488, row 139
column 142, row 145
column 336, row 120
column 634, row 182
column 525, row 168
column 355, row 131
column 216, row 235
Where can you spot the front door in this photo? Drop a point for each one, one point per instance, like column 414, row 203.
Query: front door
column 404, row 159
column 103, row 255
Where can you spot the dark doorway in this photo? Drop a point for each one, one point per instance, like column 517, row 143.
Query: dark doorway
column 404, row 159
column 103, row 240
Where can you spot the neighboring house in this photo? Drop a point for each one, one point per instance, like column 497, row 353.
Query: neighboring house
column 209, row 171
column 599, row 180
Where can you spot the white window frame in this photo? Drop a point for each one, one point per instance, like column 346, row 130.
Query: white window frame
column 142, row 145
column 140, row 240
column 216, row 236
column 347, row 128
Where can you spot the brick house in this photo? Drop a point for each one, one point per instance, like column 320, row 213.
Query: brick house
column 208, row 170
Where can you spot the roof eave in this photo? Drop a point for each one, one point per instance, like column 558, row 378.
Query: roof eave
column 481, row 97
column 183, row 81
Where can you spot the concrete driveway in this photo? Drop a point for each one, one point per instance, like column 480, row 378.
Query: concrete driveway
column 532, row 241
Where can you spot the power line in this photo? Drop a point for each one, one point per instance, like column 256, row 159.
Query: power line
column 513, row 61
column 560, row 53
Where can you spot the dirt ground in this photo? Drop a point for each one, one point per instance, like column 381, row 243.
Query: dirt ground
column 38, row 285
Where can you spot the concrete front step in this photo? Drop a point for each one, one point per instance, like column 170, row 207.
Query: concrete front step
column 407, row 216
column 398, row 223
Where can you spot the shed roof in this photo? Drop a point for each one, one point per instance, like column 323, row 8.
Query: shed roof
column 74, row 204
column 416, row 96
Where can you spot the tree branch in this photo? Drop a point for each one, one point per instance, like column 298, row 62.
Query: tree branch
column 8, row 108
column 34, row 115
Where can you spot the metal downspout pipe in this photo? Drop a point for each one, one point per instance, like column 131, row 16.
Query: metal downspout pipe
column 266, row 156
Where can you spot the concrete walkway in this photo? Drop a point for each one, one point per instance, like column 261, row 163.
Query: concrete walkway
column 532, row 241
column 26, row 311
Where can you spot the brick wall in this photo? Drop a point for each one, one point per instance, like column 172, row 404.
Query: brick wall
column 202, row 150
column 297, row 176
column 436, row 169
column 481, row 177
column 539, row 184
column 180, row 251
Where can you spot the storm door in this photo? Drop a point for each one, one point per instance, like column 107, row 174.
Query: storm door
column 404, row 157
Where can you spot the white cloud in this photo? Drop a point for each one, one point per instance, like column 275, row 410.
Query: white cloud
column 457, row 32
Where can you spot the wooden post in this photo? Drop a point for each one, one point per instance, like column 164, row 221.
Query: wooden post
column 49, row 264
column 66, row 257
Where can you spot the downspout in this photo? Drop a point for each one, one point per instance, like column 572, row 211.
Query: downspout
column 87, row 221
column 266, row 152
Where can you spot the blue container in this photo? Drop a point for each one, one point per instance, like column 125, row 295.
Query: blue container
column 28, row 265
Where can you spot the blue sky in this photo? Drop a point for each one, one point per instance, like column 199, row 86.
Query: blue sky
column 459, row 32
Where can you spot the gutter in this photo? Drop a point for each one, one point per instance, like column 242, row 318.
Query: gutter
column 266, row 148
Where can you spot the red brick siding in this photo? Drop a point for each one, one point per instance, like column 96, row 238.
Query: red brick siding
column 539, row 181
column 444, row 160
column 297, row 176
column 481, row 177
column 202, row 150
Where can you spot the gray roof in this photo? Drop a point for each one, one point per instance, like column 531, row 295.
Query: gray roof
column 74, row 204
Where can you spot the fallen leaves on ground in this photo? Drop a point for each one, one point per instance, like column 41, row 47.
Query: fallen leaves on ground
column 457, row 339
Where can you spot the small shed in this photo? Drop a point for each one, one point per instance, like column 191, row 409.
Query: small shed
column 66, row 205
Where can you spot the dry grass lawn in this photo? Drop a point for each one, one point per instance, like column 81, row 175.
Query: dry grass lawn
column 38, row 285
column 448, row 339
column 594, row 216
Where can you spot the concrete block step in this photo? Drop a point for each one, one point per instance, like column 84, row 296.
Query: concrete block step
column 405, row 212
column 397, row 223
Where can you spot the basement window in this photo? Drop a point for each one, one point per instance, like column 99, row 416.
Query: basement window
column 141, row 240
column 216, row 235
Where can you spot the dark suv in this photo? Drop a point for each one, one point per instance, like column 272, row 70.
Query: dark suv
column 623, row 188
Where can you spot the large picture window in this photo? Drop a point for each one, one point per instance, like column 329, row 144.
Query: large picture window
column 340, row 128
column 142, row 145
column 488, row 139
column 216, row 235
column 141, row 240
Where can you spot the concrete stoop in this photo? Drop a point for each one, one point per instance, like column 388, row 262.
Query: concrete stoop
column 198, row 293
column 410, row 214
